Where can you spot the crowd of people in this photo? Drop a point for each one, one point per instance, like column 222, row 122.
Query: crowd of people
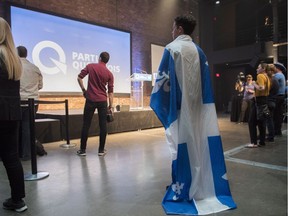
column 264, row 99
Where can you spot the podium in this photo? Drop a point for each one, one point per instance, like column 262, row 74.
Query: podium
column 137, row 89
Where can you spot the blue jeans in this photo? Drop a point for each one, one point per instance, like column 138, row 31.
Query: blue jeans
column 9, row 131
column 89, row 110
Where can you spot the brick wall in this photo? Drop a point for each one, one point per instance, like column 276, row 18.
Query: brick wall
column 149, row 21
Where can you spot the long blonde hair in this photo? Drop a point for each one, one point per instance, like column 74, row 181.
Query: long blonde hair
column 8, row 52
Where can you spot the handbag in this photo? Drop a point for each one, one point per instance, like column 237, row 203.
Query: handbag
column 263, row 112
column 271, row 105
column 110, row 116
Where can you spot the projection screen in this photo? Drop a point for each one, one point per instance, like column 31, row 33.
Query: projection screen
column 61, row 47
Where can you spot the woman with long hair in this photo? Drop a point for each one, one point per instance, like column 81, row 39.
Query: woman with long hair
column 257, row 117
column 10, row 116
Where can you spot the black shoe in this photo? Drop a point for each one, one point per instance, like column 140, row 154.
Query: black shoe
column 81, row 152
column 18, row 206
column 261, row 145
column 278, row 133
column 271, row 140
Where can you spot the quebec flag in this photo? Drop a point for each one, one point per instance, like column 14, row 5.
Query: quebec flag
column 182, row 99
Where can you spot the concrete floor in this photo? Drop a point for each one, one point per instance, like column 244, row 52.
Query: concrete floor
column 131, row 179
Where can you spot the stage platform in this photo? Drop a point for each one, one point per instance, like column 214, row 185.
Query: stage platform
column 50, row 125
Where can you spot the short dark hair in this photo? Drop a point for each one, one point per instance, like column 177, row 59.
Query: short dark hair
column 187, row 22
column 105, row 57
column 22, row 51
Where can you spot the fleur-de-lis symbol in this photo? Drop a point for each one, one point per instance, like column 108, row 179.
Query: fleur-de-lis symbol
column 177, row 189
column 162, row 81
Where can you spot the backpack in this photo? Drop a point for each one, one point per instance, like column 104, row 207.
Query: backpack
column 40, row 148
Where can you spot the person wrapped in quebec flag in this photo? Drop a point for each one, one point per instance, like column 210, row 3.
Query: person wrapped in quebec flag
column 183, row 101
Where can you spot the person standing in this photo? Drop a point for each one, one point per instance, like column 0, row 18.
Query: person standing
column 270, row 70
column 99, row 80
column 262, row 88
column 10, row 117
column 239, row 85
column 279, row 109
column 247, row 98
column 30, row 83
column 183, row 100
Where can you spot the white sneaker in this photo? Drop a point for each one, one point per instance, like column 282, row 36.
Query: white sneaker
column 102, row 153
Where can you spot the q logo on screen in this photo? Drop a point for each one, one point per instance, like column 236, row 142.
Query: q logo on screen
column 60, row 65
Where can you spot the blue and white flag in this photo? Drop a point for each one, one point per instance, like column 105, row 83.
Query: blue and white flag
column 183, row 100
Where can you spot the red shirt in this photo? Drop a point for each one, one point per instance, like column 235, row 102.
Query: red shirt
column 99, row 77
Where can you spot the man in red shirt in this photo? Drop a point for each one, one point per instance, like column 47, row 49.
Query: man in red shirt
column 96, row 97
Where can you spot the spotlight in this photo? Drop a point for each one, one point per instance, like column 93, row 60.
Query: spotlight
column 217, row 2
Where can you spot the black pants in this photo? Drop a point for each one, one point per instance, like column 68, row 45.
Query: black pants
column 89, row 110
column 278, row 114
column 10, row 158
column 270, row 121
column 254, row 122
